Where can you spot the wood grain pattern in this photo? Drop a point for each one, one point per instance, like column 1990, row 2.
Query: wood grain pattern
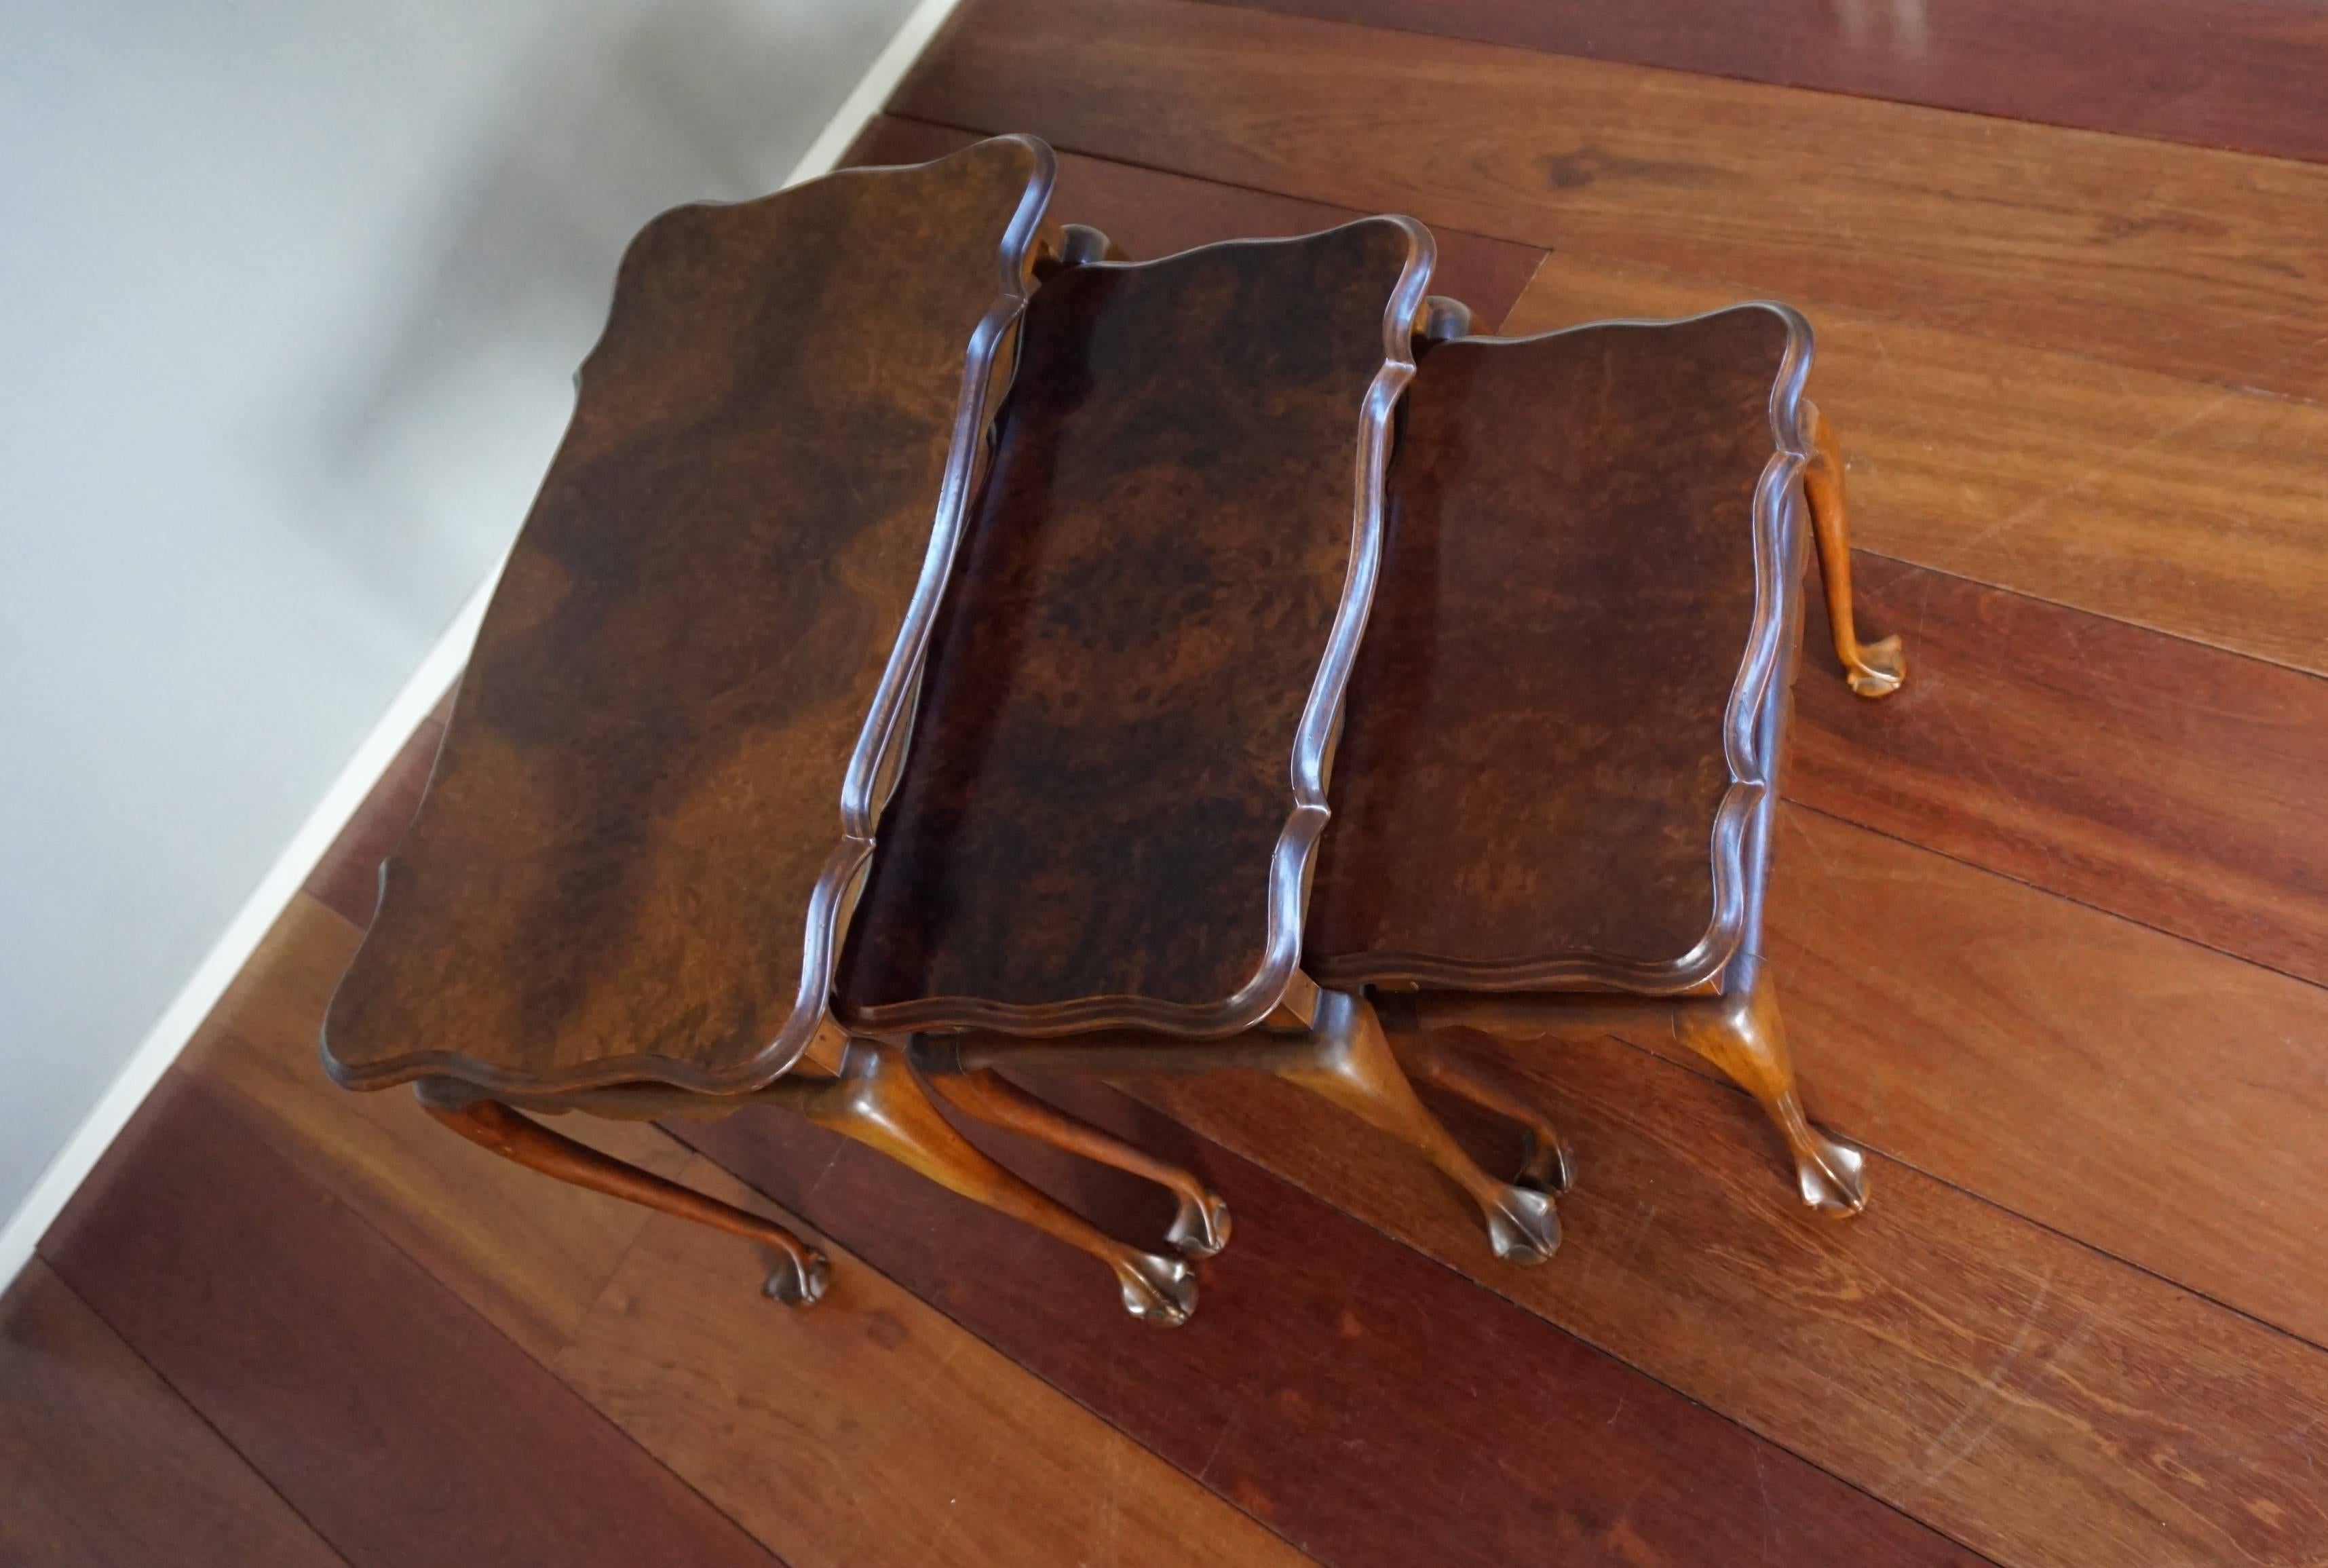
column 2061, row 240
column 101, row 1466
column 1534, row 752
column 531, row 1254
column 1371, row 1406
column 688, row 655
column 401, row 1426
column 2216, row 73
column 872, row 1430
column 889, row 1390
column 1113, row 789
column 2043, row 1404
column 1149, row 212
column 2192, row 509
column 2148, row 777
column 2150, row 1097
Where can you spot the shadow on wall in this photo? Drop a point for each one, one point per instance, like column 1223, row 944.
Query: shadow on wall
column 425, row 450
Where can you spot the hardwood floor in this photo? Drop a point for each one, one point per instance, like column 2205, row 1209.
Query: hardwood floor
column 2051, row 927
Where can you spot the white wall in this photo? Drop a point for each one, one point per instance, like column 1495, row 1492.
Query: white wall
column 290, row 300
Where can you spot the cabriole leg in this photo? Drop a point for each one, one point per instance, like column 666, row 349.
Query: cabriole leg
column 1874, row 669
column 1544, row 1168
column 876, row 1101
column 799, row 1276
column 1349, row 1062
column 1742, row 1035
column 1200, row 1229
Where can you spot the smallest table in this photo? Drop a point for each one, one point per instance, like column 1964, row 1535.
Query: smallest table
column 1558, row 784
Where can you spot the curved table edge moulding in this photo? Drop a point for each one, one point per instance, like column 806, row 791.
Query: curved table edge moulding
column 1279, row 983
column 872, row 765
column 1752, row 729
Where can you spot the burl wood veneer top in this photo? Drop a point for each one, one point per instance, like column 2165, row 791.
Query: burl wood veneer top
column 644, row 816
column 1554, row 702
column 1109, row 804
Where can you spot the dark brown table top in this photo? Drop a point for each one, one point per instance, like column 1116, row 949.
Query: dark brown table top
column 1549, row 752
column 660, row 773
column 1108, row 806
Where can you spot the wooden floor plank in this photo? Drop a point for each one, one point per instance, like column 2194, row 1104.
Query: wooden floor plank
column 2217, row 73
column 2040, row 1402
column 1373, row 1407
column 530, row 1254
column 871, row 1429
column 101, row 1466
column 2148, row 777
column 540, row 1258
column 2192, row 509
column 1149, row 214
column 400, row 1425
column 2182, row 259
column 2154, row 1098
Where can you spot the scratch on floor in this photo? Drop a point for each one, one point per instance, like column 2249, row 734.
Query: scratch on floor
column 1989, row 1387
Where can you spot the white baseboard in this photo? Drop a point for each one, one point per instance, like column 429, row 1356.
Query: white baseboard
column 420, row 693
column 192, row 1004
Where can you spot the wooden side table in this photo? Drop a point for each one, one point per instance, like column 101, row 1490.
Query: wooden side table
column 653, row 811
column 1558, row 779
column 1100, row 852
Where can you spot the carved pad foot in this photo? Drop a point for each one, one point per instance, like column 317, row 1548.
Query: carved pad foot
column 797, row 1284
column 1523, row 1226
column 1832, row 1176
column 1882, row 667
column 1200, row 1229
column 1160, row 1291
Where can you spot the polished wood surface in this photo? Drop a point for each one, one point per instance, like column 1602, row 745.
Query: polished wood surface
column 2030, row 1396
column 1930, row 217
column 102, row 1462
column 528, row 1255
column 398, row 1423
column 1871, row 669
column 2119, row 1085
column 1114, row 786
column 1200, row 1220
column 641, row 1316
column 2132, row 772
column 876, row 1430
column 1377, row 1409
column 665, row 759
column 1535, row 755
column 2217, row 73
column 1150, row 212
column 798, row 1272
column 2079, row 1322
column 2188, row 508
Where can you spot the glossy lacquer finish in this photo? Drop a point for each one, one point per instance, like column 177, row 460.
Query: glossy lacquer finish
column 666, row 758
column 1559, row 731
column 1111, row 800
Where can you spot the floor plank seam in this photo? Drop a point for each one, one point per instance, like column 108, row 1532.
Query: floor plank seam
column 1198, row 1476
column 1598, row 1349
column 197, row 1412
column 2039, row 888
column 857, row 1260
column 1937, row 1179
column 452, row 1290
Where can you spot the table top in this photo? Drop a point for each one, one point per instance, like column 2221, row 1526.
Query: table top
column 647, row 851
column 1108, row 811
column 668, row 755
column 1556, row 736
